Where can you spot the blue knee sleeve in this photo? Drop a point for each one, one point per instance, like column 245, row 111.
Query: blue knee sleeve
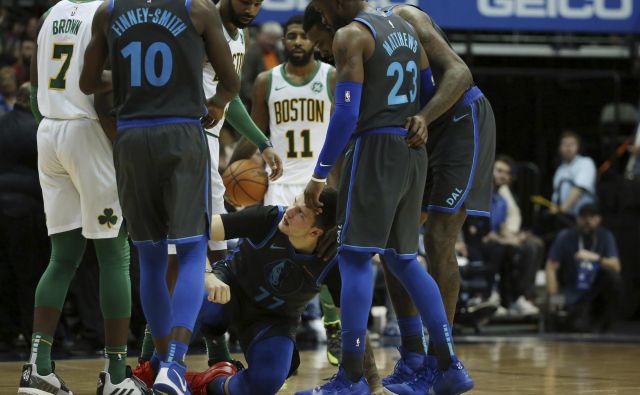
column 154, row 294
column 425, row 294
column 355, row 298
column 269, row 363
column 187, row 295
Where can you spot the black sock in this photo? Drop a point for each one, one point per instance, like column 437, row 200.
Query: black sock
column 413, row 344
column 353, row 364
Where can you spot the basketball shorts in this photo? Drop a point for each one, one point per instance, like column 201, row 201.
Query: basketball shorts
column 163, row 173
column 282, row 194
column 380, row 193
column 78, row 180
column 461, row 155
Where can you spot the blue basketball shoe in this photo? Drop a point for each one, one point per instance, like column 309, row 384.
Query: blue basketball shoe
column 420, row 370
column 403, row 371
column 170, row 379
column 340, row 385
column 453, row 381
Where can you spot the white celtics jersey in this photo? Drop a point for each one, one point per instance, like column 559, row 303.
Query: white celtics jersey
column 298, row 120
column 209, row 77
column 62, row 41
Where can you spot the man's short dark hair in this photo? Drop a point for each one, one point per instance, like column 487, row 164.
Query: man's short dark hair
column 297, row 19
column 327, row 219
column 312, row 17
column 588, row 210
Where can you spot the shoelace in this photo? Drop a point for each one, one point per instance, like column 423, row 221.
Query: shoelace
column 401, row 373
column 334, row 383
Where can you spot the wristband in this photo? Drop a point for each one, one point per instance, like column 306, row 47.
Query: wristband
column 322, row 180
column 265, row 145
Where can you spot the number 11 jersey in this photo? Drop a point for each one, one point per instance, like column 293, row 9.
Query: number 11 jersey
column 299, row 116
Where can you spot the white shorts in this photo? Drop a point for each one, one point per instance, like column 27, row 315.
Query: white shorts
column 282, row 194
column 78, row 180
column 217, row 192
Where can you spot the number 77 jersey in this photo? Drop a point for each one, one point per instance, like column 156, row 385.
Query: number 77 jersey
column 299, row 115
column 62, row 40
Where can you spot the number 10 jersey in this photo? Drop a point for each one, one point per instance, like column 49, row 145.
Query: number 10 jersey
column 156, row 55
column 299, row 116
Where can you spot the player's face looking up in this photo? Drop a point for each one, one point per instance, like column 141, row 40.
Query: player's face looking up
column 299, row 221
column 243, row 12
column 297, row 46
column 322, row 39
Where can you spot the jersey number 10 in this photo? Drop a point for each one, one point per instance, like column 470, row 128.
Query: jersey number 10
column 134, row 51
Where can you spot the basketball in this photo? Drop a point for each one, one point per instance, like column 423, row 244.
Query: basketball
column 246, row 183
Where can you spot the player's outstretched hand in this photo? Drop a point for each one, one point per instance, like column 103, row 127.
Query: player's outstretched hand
column 418, row 132
column 312, row 195
column 274, row 162
column 328, row 244
column 218, row 291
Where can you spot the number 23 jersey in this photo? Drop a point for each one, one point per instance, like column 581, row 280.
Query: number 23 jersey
column 298, row 119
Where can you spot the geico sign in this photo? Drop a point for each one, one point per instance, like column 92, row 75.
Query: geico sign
column 300, row 5
column 569, row 9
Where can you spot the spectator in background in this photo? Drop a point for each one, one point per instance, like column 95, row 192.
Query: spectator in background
column 265, row 53
column 31, row 29
column 22, row 221
column 574, row 182
column 583, row 265
column 514, row 255
column 21, row 66
column 8, row 87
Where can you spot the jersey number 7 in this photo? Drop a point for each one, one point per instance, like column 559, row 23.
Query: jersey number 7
column 59, row 50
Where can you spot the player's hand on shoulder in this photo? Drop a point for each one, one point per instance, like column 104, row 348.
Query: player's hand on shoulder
column 418, row 132
column 219, row 292
column 274, row 162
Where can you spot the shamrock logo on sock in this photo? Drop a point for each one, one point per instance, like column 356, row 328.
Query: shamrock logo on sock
column 108, row 218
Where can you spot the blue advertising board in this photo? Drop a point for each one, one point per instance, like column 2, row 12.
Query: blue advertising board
column 580, row 16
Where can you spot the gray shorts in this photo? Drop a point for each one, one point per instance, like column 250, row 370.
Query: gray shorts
column 461, row 155
column 380, row 194
column 162, row 171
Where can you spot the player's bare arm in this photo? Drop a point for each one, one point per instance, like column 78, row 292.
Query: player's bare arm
column 259, row 109
column 451, row 74
column 93, row 78
column 352, row 45
column 206, row 19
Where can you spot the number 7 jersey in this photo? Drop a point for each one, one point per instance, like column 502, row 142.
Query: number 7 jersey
column 62, row 40
column 298, row 119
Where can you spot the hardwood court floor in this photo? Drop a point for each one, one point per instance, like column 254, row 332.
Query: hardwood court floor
column 523, row 367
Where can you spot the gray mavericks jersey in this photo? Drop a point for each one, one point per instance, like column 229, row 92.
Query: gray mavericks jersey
column 391, row 89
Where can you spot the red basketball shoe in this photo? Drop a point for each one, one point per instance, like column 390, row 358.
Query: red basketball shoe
column 198, row 381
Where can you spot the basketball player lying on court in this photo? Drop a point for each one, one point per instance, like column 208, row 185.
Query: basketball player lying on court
column 261, row 290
